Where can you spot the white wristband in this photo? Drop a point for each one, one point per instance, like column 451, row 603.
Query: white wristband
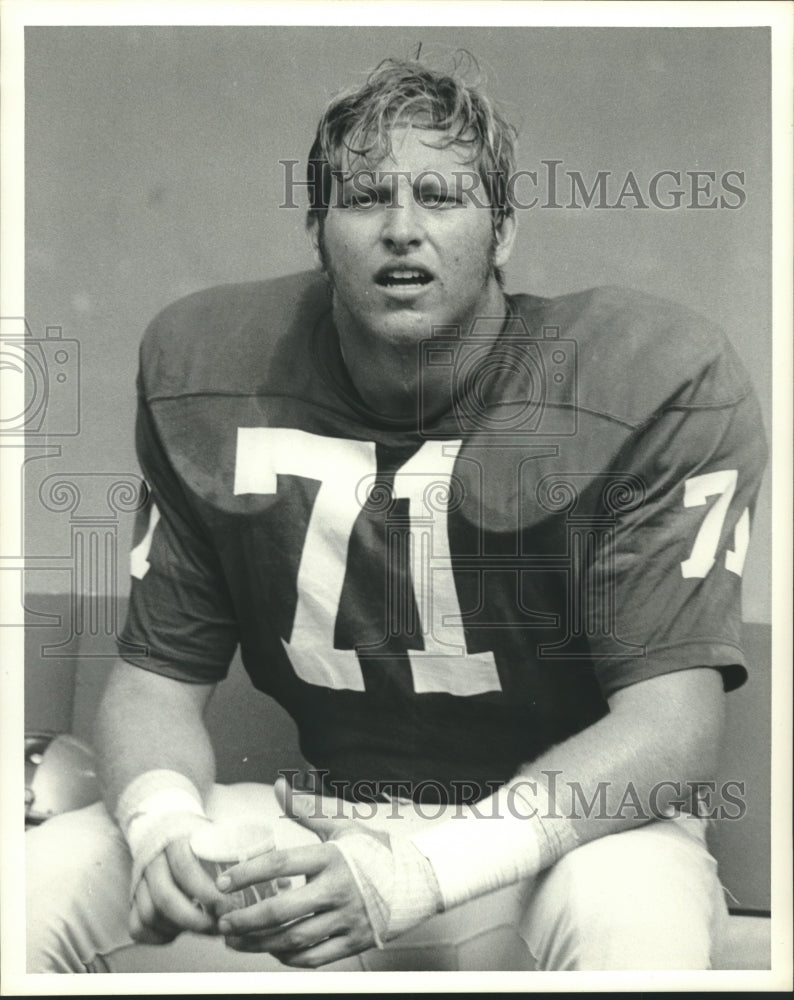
column 500, row 840
column 155, row 809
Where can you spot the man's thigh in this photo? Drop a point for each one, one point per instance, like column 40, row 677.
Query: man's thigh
column 644, row 899
column 78, row 879
column 77, row 885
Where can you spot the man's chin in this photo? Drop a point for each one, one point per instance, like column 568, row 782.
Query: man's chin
column 404, row 326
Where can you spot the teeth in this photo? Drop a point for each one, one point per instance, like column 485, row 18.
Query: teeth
column 407, row 277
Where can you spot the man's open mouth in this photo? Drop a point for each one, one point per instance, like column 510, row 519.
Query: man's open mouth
column 402, row 277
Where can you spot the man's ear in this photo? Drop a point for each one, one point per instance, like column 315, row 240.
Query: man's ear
column 504, row 238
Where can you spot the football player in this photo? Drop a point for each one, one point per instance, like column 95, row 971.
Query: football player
column 486, row 550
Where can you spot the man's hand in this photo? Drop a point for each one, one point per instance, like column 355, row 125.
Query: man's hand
column 174, row 894
column 309, row 926
column 347, row 903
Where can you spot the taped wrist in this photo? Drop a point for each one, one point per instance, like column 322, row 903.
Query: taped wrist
column 155, row 809
column 396, row 883
column 509, row 836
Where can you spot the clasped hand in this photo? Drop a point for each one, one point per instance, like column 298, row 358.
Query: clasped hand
column 305, row 926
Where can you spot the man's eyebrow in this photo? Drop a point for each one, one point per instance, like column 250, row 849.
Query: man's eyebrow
column 369, row 176
column 377, row 179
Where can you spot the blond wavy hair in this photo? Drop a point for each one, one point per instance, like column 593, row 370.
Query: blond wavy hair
column 359, row 123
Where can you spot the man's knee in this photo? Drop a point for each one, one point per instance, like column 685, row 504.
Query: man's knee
column 77, row 884
column 645, row 899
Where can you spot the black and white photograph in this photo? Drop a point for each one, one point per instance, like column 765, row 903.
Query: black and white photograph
column 396, row 481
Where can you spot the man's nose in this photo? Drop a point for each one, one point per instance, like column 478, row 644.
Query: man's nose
column 403, row 225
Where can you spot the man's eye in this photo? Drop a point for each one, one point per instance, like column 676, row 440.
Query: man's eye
column 438, row 199
column 366, row 197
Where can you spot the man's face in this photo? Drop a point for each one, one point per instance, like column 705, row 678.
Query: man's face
column 406, row 251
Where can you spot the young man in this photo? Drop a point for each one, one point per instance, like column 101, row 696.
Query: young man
column 485, row 549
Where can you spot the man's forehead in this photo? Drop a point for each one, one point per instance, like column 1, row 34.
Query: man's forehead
column 419, row 146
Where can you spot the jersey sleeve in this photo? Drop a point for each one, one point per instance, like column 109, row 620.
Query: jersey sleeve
column 179, row 609
column 667, row 574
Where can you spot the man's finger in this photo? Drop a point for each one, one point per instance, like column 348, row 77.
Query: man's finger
column 170, row 903
column 272, row 914
column 300, row 935
column 321, row 954
column 189, row 874
column 143, row 934
column 145, row 924
column 308, row 861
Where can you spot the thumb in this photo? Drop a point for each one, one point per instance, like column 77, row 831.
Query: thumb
column 307, row 809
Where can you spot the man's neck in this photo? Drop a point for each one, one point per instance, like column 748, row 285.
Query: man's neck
column 390, row 374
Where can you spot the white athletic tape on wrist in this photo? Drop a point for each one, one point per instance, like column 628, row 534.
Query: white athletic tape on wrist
column 155, row 809
column 396, row 883
column 509, row 836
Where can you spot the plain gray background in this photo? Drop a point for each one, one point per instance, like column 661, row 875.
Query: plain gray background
column 152, row 170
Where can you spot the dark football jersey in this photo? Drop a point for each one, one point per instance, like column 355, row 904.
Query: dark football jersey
column 441, row 600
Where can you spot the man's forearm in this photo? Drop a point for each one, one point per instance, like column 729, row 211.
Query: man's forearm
column 149, row 722
column 660, row 738
column 619, row 773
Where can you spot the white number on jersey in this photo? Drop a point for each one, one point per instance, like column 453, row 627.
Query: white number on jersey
column 342, row 467
column 443, row 665
column 139, row 555
column 697, row 491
